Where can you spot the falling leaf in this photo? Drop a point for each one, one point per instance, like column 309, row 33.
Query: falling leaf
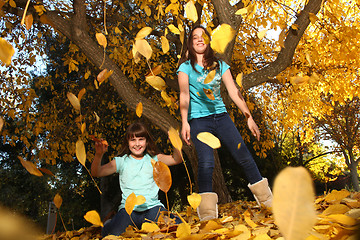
column 261, row 34
column 165, row 44
column 239, row 146
column 295, row 27
column 149, row 227
column 241, row 11
column 143, row 47
column 190, row 11
column 210, row 76
column 156, row 82
column 282, row 36
column 293, row 203
column 209, row 93
column 83, row 127
column 103, row 141
column 133, row 200
column 155, row 71
column 81, row 152
column 97, row 117
column 175, row 138
column 206, row 38
column 81, row 94
column 30, row 167
column 299, row 80
column 57, row 200
column 29, row 21
column 46, row 171
column 143, row 33
column 313, row 18
column 174, row 29
column 194, row 200
column 221, row 37
column 209, row 139
column 1, row 123
column 183, row 230
column 162, row 176
column 6, row 51
column 166, row 98
column 73, row 100
column 139, row 109
column 93, row 217
column 103, row 75
column 12, row 3
column 308, row 58
column 101, row 39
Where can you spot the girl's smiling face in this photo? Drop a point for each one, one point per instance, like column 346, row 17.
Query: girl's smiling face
column 198, row 41
column 137, row 146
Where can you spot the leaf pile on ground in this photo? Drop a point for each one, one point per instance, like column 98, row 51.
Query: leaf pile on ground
column 338, row 217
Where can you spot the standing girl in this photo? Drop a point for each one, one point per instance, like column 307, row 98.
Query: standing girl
column 135, row 176
column 203, row 110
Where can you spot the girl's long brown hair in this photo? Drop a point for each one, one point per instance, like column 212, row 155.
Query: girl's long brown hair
column 210, row 60
column 138, row 129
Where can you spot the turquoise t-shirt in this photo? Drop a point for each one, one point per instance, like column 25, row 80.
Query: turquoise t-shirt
column 136, row 176
column 205, row 99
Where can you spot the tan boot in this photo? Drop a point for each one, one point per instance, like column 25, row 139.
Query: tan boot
column 262, row 192
column 208, row 208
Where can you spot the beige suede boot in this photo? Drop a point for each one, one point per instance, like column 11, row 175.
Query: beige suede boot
column 262, row 192
column 208, row 208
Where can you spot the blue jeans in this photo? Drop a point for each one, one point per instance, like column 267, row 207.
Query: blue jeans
column 118, row 224
column 221, row 126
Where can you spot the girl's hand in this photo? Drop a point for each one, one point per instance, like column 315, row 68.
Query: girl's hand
column 101, row 147
column 185, row 132
column 253, row 128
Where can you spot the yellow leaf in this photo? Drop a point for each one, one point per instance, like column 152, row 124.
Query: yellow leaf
column 175, row 138
column 206, row 38
column 80, row 152
column 245, row 232
column 94, row 218
column 299, row 80
column 143, row 33
column 239, row 78
column 6, row 51
column 81, row 94
column 73, row 100
column 247, row 218
column 103, row 75
column 30, row 167
column 239, row 146
column 263, row 236
column 190, row 11
column 313, row 18
column 1, row 123
column 342, row 219
column 97, row 117
column 133, row 200
column 293, row 203
column 194, row 200
column 162, row 176
column 336, row 209
column 139, row 109
column 166, row 98
column 57, row 200
column 143, row 47
column 155, row 71
column 156, row 82
column 282, row 36
column 221, row 37
column 209, row 139
column 12, row 3
column 336, row 196
column 165, row 44
column 210, row 76
column 183, row 230
column 87, row 74
column 149, row 227
column 174, row 29
column 295, row 27
column 308, row 58
column 241, row 11
column 29, row 21
column 101, row 39
column 261, row 34
column 83, row 127
column 209, row 93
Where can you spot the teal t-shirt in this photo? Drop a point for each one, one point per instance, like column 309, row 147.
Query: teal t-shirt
column 205, row 99
column 136, row 176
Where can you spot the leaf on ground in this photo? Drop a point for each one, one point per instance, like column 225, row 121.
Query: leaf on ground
column 183, row 230
column 293, row 203
column 336, row 196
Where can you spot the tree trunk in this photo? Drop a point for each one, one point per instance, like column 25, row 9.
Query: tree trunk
column 354, row 176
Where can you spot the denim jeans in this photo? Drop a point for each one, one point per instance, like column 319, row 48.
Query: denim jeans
column 118, row 224
column 221, row 126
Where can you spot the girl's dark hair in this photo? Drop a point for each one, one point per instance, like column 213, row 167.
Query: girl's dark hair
column 138, row 129
column 210, row 61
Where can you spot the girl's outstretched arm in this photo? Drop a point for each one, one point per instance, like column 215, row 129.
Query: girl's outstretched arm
column 238, row 99
column 98, row 170
column 183, row 79
column 171, row 160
